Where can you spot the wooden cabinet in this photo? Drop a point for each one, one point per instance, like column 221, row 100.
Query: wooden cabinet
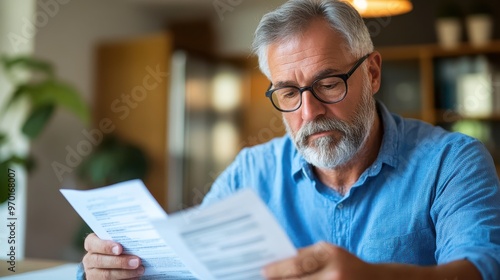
column 425, row 57
column 427, row 82
column 131, row 95
column 261, row 120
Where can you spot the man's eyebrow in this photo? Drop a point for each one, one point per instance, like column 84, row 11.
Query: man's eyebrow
column 326, row 72
column 284, row 84
column 319, row 75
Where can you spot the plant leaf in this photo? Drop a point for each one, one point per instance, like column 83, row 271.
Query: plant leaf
column 27, row 63
column 18, row 93
column 131, row 163
column 3, row 138
column 114, row 161
column 37, row 120
column 4, row 191
column 60, row 94
column 4, row 175
column 97, row 167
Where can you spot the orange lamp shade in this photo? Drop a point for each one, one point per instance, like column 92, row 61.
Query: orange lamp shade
column 381, row 8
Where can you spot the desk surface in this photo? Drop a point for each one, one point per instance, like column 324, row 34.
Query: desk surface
column 27, row 265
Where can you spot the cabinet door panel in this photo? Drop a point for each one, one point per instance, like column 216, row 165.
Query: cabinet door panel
column 131, row 91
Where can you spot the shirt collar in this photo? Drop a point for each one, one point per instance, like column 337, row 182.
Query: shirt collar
column 387, row 153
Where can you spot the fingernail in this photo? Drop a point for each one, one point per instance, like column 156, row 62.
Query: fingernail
column 115, row 250
column 133, row 263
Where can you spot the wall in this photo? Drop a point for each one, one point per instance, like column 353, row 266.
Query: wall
column 12, row 16
column 237, row 26
column 67, row 39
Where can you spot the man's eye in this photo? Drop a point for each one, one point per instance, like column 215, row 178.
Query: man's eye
column 329, row 86
column 287, row 94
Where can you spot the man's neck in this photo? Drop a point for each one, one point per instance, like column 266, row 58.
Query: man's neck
column 342, row 178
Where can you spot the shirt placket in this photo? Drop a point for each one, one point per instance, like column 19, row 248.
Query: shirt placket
column 341, row 224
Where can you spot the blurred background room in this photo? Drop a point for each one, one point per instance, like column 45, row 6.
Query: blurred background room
column 168, row 91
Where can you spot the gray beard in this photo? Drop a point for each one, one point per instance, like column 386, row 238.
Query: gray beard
column 330, row 152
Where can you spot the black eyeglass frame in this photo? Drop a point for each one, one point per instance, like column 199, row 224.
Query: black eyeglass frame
column 344, row 77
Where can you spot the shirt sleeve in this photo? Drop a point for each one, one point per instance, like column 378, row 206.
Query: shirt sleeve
column 80, row 272
column 466, row 208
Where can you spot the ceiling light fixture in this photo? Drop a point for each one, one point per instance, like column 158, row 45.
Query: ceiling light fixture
column 381, row 8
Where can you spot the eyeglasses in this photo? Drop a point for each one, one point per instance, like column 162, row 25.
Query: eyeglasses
column 330, row 89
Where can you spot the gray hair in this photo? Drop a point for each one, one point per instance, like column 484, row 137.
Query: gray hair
column 294, row 17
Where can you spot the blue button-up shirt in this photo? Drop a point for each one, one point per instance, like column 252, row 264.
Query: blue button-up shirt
column 430, row 197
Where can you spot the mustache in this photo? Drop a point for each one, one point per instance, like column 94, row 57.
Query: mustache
column 320, row 125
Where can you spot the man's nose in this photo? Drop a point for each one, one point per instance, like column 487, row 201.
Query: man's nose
column 311, row 106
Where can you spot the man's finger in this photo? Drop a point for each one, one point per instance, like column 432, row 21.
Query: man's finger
column 91, row 261
column 309, row 260
column 94, row 244
column 114, row 273
column 299, row 266
column 283, row 269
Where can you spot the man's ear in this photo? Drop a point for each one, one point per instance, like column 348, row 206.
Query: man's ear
column 375, row 70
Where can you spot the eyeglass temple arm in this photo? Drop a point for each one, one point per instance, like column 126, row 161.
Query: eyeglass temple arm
column 357, row 65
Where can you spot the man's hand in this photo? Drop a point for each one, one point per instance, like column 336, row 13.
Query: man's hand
column 320, row 261
column 326, row 261
column 104, row 260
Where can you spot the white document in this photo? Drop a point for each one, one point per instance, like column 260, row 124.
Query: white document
column 125, row 213
column 232, row 239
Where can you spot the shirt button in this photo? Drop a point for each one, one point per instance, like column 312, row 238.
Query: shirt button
column 340, row 206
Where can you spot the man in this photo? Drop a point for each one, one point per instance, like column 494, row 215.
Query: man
column 364, row 193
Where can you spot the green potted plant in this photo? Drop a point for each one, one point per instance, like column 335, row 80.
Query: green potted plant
column 36, row 84
column 479, row 23
column 113, row 161
column 448, row 24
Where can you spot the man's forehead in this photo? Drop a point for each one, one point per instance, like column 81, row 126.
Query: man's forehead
column 289, row 58
column 321, row 73
column 289, row 52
